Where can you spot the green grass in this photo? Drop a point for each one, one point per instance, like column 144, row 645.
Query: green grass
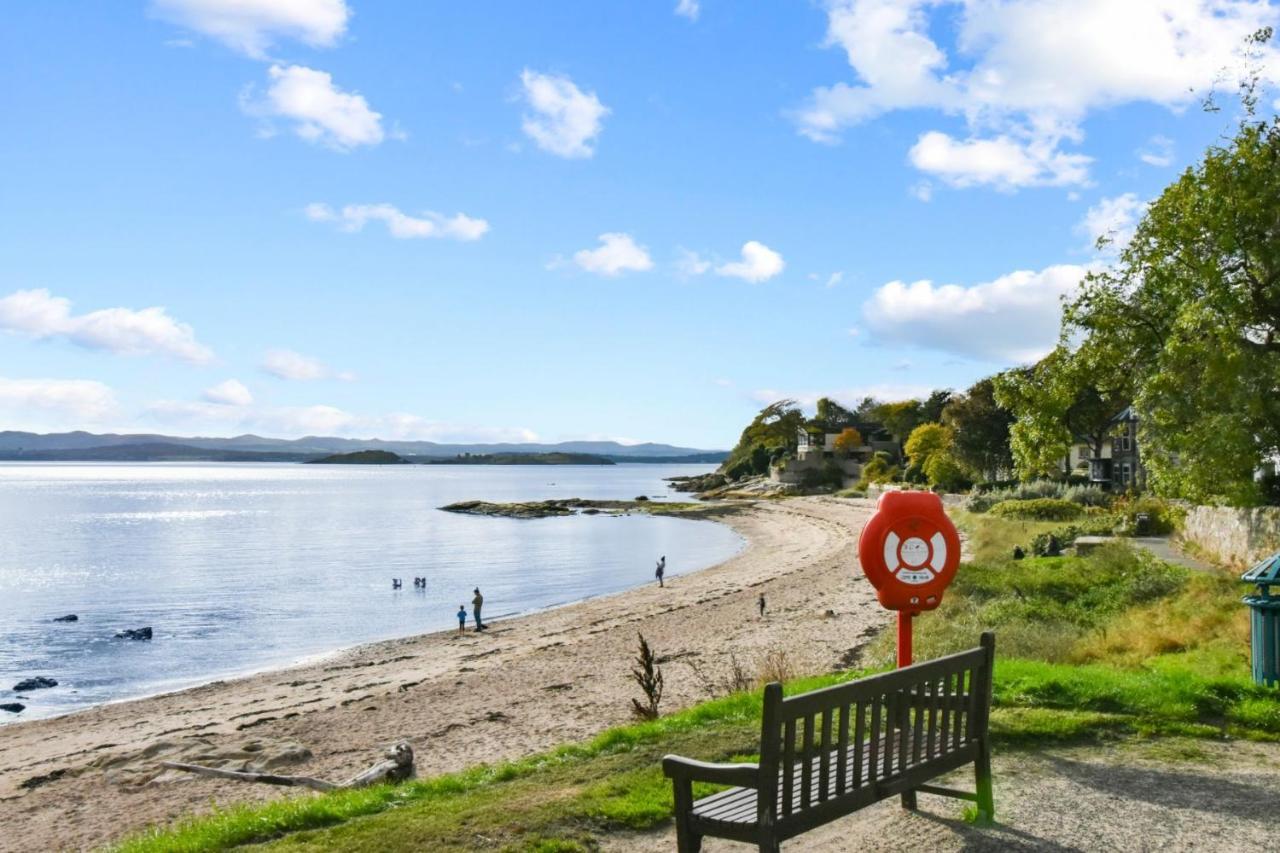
column 1114, row 647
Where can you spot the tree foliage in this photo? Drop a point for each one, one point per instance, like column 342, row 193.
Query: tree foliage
column 831, row 416
column 848, row 440
column 980, row 431
column 925, row 441
column 1067, row 396
column 1192, row 309
column 769, row 435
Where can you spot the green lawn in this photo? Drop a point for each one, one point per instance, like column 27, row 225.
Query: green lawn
column 1114, row 645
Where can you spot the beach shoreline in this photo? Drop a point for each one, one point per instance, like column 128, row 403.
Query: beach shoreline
column 533, row 681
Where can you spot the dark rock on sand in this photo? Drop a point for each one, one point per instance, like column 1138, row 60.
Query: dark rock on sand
column 134, row 634
column 13, row 707
column 36, row 683
column 70, row 617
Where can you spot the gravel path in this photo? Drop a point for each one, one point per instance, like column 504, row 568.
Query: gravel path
column 1165, row 795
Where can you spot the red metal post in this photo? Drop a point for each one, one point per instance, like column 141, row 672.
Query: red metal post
column 904, row 638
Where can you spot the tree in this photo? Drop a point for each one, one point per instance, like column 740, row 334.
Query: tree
column 1067, row 396
column 931, row 408
column 769, row 435
column 930, row 449
column 848, row 441
column 1192, row 309
column 832, row 416
column 925, row 441
column 900, row 417
column 980, row 431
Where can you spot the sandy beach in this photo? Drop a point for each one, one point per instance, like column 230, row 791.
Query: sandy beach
column 86, row 779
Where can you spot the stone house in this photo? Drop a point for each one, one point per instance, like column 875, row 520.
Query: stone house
column 1119, row 467
column 815, row 448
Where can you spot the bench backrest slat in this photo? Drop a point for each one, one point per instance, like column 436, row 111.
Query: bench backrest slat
column 842, row 750
column 905, row 718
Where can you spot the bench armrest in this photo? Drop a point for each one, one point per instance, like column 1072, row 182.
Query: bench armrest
column 743, row 775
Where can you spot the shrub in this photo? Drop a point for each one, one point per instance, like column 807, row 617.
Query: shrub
column 1164, row 517
column 878, row 470
column 1039, row 509
column 829, row 476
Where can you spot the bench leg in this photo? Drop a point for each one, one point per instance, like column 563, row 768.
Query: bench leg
column 770, row 845
column 909, row 800
column 687, row 841
column 982, row 776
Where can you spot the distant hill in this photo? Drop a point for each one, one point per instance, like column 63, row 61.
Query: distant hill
column 26, row 445
column 155, row 451
column 361, row 457
column 522, row 459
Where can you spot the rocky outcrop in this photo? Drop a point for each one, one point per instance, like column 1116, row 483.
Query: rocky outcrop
column 12, row 707
column 135, row 634
column 527, row 509
column 37, row 683
column 70, row 617
column 700, row 483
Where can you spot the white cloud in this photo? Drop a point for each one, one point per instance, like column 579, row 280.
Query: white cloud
column 1112, row 218
column 616, row 254
column 428, row 224
column 688, row 9
column 759, row 263
column 1014, row 318
column 320, row 111
column 287, row 364
column 1026, row 73
column 1157, row 152
column 252, row 26
column 68, row 400
column 690, row 263
column 149, row 331
column 564, row 120
column 229, row 393
column 834, row 279
column 1001, row 162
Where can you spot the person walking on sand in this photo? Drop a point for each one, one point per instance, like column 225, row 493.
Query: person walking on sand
column 462, row 619
column 661, row 570
column 762, row 605
column 476, row 604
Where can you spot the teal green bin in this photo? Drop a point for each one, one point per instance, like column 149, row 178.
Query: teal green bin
column 1264, row 620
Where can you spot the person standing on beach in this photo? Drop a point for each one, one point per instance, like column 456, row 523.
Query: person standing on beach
column 661, row 570
column 476, row 604
column 762, row 605
column 462, row 618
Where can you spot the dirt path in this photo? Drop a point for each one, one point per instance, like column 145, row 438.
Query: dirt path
column 1212, row 797
column 79, row 781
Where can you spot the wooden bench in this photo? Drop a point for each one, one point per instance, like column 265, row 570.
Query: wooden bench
column 830, row 752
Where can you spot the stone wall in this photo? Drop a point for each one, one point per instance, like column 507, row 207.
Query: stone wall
column 1238, row 537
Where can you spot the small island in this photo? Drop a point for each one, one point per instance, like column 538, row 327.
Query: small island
column 361, row 457
column 553, row 458
column 584, row 506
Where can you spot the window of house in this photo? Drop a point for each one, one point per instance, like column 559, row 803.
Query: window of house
column 1126, row 473
column 1126, row 438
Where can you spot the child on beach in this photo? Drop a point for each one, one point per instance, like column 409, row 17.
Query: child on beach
column 661, row 570
column 762, row 605
column 462, row 618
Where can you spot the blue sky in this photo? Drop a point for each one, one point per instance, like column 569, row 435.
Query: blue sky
column 471, row 221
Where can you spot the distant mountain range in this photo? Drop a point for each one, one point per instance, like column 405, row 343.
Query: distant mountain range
column 72, row 446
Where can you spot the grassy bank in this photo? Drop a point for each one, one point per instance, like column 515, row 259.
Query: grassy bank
column 1109, row 646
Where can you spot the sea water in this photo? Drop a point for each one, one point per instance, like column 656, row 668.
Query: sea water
column 238, row 567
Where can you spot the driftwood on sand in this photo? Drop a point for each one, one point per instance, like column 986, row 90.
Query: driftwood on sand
column 397, row 766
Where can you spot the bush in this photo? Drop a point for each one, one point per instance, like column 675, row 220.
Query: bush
column 1164, row 517
column 985, row 497
column 878, row 470
column 1040, row 509
column 829, row 476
